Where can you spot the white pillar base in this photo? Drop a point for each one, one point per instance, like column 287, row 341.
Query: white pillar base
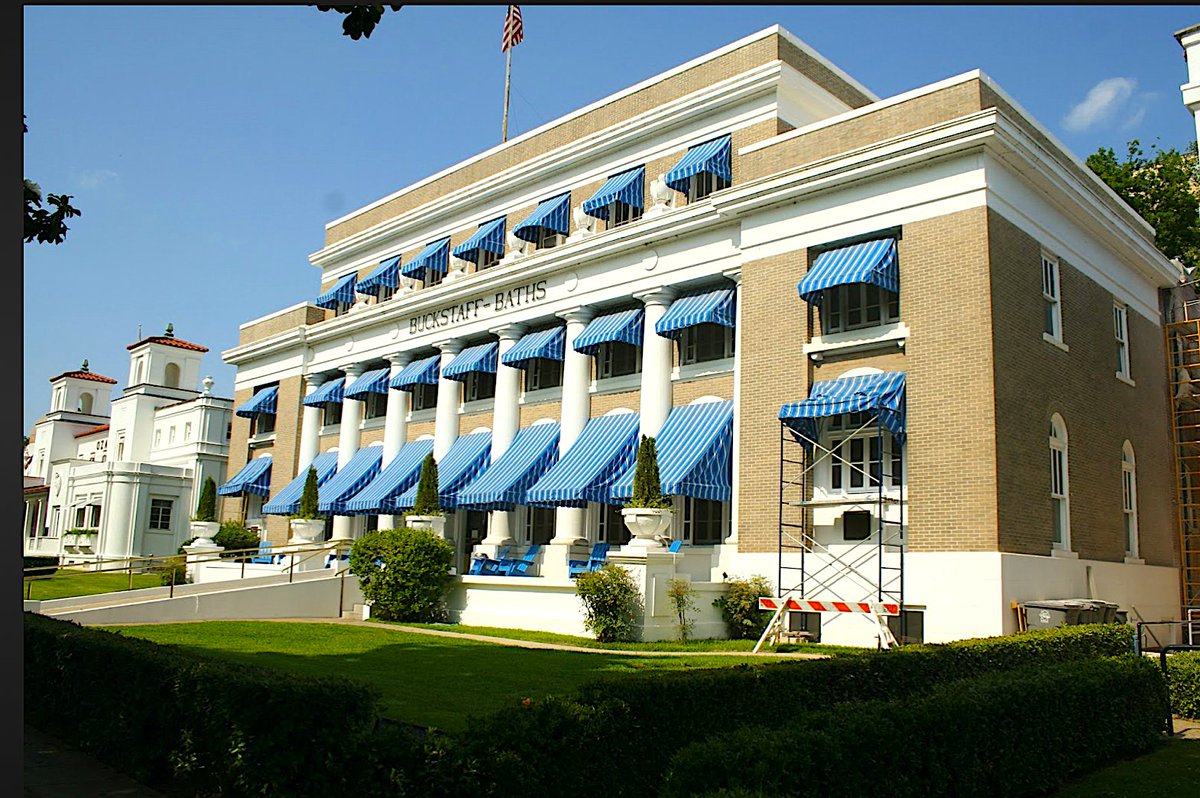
column 500, row 529
column 342, row 528
column 557, row 556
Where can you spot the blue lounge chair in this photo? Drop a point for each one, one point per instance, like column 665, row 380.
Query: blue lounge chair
column 675, row 546
column 264, row 555
column 594, row 561
column 486, row 566
column 519, row 566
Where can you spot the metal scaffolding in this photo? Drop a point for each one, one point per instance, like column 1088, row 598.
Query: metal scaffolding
column 1183, row 353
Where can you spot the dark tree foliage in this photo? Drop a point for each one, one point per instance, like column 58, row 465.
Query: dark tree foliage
column 43, row 225
column 308, row 499
column 647, row 487
column 359, row 20
column 206, row 508
column 427, row 502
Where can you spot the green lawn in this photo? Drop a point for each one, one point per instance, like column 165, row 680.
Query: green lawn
column 1173, row 769
column 424, row 679
column 67, row 582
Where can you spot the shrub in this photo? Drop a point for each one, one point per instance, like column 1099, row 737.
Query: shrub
column 1183, row 675
column 234, row 537
column 612, row 603
column 404, row 573
column 426, row 502
column 46, row 563
column 308, row 509
column 739, row 607
column 647, row 487
column 683, row 600
column 206, row 508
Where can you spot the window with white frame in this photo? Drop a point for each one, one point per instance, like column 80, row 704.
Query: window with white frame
column 616, row 359
column 424, row 396
column 341, row 308
column 157, row 438
column 431, row 277
column 702, row 184
column 262, row 424
column 1059, row 485
column 543, row 373
column 160, row 513
column 479, row 385
column 171, row 434
column 375, row 405
column 386, row 292
column 120, row 446
column 860, row 457
column 80, row 517
column 187, row 431
column 1129, row 499
column 612, row 529
column 856, row 306
column 331, row 414
column 547, row 238
column 1051, row 295
column 621, row 213
column 1121, row 334
column 705, row 342
column 486, row 259
column 539, row 525
column 705, row 522
column 94, row 516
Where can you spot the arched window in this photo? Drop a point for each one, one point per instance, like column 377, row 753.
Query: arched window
column 85, row 403
column 137, row 372
column 1059, row 485
column 171, row 375
column 1129, row 499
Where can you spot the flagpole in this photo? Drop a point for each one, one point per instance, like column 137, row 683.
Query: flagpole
column 507, row 74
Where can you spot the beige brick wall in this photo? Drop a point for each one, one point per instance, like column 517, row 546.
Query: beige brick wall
column 309, row 314
column 1035, row 379
column 603, row 403
column 535, row 412
column 688, row 391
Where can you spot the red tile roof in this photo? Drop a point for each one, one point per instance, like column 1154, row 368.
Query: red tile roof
column 37, row 488
column 85, row 375
column 162, row 339
column 91, row 431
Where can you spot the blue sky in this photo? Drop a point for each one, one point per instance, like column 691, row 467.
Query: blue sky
column 208, row 146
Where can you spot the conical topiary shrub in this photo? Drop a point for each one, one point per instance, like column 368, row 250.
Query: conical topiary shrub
column 427, row 489
column 308, row 499
column 647, row 488
column 206, row 508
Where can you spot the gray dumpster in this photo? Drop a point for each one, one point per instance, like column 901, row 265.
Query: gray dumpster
column 1049, row 613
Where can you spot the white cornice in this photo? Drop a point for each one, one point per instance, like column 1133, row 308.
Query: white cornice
column 273, row 314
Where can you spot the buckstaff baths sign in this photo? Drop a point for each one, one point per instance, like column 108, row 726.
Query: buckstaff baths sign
column 465, row 311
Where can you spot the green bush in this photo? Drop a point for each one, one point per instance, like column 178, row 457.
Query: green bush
column 739, row 607
column 426, row 501
column 234, row 537
column 40, row 562
column 308, row 509
column 206, row 508
column 1183, row 675
column 682, row 596
column 1017, row 733
column 404, row 573
column 647, row 487
column 612, row 603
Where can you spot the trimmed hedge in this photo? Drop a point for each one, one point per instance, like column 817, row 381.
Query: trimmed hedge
column 1183, row 674
column 640, row 720
column 1018, row 733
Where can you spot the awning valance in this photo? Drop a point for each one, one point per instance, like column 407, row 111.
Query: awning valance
column 396, row 477
column 873, row 262
column 548, row 344
column 503, row 484
column 711, row 156
column 552, row 214
column 435, row 257
column 465, row 459
column 254, row 477
column 604, row 449
column 423, row 371
column 262, row 403
column 489, row 237
column 342, row 291
column 713, row 307
column 287, row 501
column 625, row 325
column 332, row 390
column 349, row 480
column 627, row 187
column 880, row 394
column 695, row 454
column 386, row 275
column 480, row 358
column 375, row 381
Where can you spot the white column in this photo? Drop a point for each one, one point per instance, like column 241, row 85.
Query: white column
column 349, row 438
column 1189, row 40
column 395, row 425
column 445, row 430
column 310, row 424
column 569, row 522
column 736, row 276
column 506, row 421
column 656, row 363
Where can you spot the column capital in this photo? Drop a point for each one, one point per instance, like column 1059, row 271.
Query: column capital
column 399, row 359
column 577, row 315
column 657, row 296
column 508, row 332
column 450, row 346
column 312, row 381
column 353, row 370
column 733, row 274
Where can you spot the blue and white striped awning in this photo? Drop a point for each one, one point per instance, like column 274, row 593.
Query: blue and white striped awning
column 873, row 262
column 287, row 501
column 375, row 381
column 714, row 307
column 263, row 402
column 386, row 275
column 435, row 257
column 695, row 454
column 627, row 187
column 548, row 344
column 711, row 156
column 552, row 214
column 349, row 480
column 423, row 371
column 625, row 325
column 395, row 478
column 502, row 486
column 255, row 478
column 489, row 237
column 604, row 449
column 332, row 390
column 881, row 394
column 464, row 461
column 342, row 291
column 480, row 358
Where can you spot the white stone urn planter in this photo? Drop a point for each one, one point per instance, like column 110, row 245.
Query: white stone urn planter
column 204, row 531
column 307, row 531
column 645, row 524
column 434, row 523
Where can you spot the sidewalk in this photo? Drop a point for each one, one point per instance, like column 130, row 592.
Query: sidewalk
column 54, row 770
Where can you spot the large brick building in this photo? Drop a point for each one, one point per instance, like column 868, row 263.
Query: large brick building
column 928, row 337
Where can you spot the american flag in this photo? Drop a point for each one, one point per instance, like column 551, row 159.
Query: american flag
column 513, row 31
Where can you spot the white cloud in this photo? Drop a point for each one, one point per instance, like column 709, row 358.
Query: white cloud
column 1102, row 104
column 95, row 177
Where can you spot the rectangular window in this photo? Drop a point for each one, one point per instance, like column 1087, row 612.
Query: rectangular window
column 704, row 183
column 807, row 624
column 157, row 438
column 1058, row 495
column 913, row 626
column 424, row 397
column 705, row 522
column 486, row 259
column 375, row 405
column 857, row 306
column 1052, row 323
column 477, row 525
column 616, row 359
column 332, row 414
column 612, row 525
column 80, row 517
column 171, row 435
column 705, row 342
column 543, row 373
column 856, row 460
column 1121, row 334
column 547, row 238
column 479, row 385
column 187, row 431
column 539, row 525
column 432, row 278
column 121, row 446
column 341, row 309
column 385, row 293
column 160, row 513
column 1129, row 508
column 619, row 213
column 263, row 424
column 94, row 516
column 856, row 525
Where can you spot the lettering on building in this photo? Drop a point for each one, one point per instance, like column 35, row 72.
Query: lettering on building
column 499, row 302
